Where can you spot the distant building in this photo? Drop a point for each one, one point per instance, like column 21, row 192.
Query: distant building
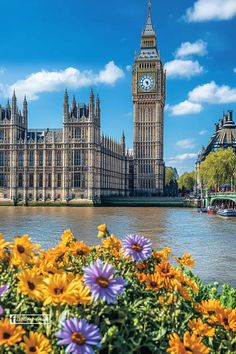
column 224, row 137
column 76, row 163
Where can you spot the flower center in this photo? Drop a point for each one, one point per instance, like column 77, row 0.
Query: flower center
column 32, row 349
column 188, row 349
column 103, row 282
column 80, row 253
column 20, row 249
column 226, row 322
column 165, row 271
column 153, row 284
column 58, row 291
column 6, row 335
column 78, row 338
column 136, row 247
column 31, row 285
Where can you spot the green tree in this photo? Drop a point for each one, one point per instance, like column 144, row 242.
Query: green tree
column 218, row 168
column 169, row 176
column 187, row 181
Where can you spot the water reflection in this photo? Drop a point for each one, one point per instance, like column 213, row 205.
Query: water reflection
column 211, row 239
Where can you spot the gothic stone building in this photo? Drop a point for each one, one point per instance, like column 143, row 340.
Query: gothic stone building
column 224, row 137
column 77, row 163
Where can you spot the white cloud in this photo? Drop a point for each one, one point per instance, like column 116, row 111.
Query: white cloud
column 128, row 67
column 185, row 144
column 109, row 75
column 203, row 132
column 49, row 81
column 186, row 49
column 183, row 68
column 213, row 93
column 235, row 70
column 185, row 107
column 206, row 10
column 187, row 156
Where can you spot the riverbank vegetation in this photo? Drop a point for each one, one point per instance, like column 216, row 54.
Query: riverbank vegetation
column 218, row 169
column 119, row 297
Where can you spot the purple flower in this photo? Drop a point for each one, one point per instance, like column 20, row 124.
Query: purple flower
column 79, row 336
column 3, row 289
column 137, row 247
column 99, row 277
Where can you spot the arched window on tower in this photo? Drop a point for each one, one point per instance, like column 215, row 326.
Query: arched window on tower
column 78, row 133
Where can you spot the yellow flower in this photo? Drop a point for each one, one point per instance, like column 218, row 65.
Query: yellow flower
column 65, row 289
column 23, row 250
column 191, row 344
column 66, row 238
column 10, row 334
column 79, row 249
column 36, row 343
column 200, row 328
column 101, row 234
column 3, row 246
column 227, row 318
column 112, row 242
column 153, row 282
column 30, row 284
column 168, row 274
column 162, row 255
column 186, row 260
column 102, row 228
column 209, row 308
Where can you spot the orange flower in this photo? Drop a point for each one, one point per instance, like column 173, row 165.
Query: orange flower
column 200, row 328
column 209, row 308
column 168, row 274
column 162, row 255
column 186, row 260
column 10, row 334
column 153, row 282
column 191, row 344
column 79, row 249
column 227, row 318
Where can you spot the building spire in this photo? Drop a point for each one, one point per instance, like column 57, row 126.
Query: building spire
column 149, row 30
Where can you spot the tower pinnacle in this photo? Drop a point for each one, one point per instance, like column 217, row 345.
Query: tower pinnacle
column 149, row 30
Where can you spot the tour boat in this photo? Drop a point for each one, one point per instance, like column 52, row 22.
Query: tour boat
column 211, row 210
column 227, row 212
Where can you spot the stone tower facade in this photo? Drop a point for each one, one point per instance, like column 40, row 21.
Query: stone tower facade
column 148, row 90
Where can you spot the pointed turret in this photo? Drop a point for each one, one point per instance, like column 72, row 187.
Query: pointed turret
column 91, row 104
column 25, row 111
column 14, row 108
column 98, row 110
column 74, row 107
column 149, row 34
column 66, row 107
column 123, row 142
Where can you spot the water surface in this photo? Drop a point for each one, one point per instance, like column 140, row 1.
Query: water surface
column 211, row 239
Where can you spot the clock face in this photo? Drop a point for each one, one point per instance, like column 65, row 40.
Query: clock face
column 146, row 82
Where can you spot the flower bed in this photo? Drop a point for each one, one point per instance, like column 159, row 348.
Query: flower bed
column 118, row 297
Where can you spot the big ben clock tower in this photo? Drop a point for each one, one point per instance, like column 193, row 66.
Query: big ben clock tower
column 148, row 90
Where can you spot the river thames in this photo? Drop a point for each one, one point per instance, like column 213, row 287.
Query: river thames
column 210, row 239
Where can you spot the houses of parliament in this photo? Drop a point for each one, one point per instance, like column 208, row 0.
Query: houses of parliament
column 78, row 164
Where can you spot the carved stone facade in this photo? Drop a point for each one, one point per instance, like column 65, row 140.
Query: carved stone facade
column 73, row 164
column 77, row 163
column 148, row 90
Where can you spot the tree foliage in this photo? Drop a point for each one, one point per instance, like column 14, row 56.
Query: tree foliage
column 187, row 181
column 170, row 176
column 218, row 168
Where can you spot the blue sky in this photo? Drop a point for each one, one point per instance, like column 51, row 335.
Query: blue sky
column 47, row 46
